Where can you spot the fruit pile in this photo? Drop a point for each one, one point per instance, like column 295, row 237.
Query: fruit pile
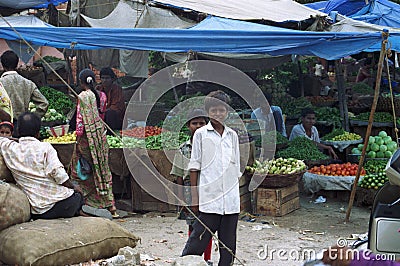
column 346, row 137
column 67, row 138
column 277, row 166
column 375, row 177
column 345, row 169
column 142, row 132
column 341, row 135
column 381, row 146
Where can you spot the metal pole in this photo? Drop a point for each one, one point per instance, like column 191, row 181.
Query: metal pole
column 385, row 35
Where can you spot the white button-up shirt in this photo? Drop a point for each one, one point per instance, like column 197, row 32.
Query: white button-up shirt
column 37, row 170
column 298, row 130
column 218, row 160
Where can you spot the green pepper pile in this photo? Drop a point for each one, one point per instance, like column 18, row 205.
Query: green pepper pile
column 57, row 100
column 302, row 148
column 166, row 140
column 382, row 117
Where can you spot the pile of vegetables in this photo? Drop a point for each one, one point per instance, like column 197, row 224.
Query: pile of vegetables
column 381, row 117
column 320, row 99
column 142, row 132
column 376, row 176
column 362, row 88
column 166, row 140
column 57, row 100
column 345, row 169
column 67, row 138
column 341, row 135
column 329, row 114
column 125, row 142
column 381, row 146
column 48, row 59
column 292, row 106
column 277, row 166
column 272, row 137
column 52, row 115
column 302, row 148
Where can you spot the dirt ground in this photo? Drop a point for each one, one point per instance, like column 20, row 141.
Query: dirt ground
column 287, row 240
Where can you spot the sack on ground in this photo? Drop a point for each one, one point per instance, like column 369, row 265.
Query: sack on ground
column 63, row 241
column 5, row 173
column 14, row 206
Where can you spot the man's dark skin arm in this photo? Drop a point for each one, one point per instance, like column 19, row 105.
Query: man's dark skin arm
column 71, row 185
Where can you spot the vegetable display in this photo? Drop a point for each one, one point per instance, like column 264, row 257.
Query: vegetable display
column 125, row 142
column 52, row 115
column 362, row 88
column 57, row 100
column 381, row 146
column 381, row 117
column 376, row 176
column 328, row 114
column 277, row 166
column 272, row 137
column 345, row 169
column 142, row 132
column 302, row 148
column 67, row 138
column 341, row 135
column 292, row 106
column 166, row 140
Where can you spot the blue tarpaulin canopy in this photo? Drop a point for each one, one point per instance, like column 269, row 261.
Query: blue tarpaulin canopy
column 344, row 7
column 380, row 12
column 24, row 4
column 246, row 38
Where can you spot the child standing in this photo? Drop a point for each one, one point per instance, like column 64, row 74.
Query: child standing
column 196, row 119
column 6, row 129
column 215, row 168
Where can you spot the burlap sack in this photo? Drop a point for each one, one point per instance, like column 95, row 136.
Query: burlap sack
column 14, row 206
column 5, row 173
column 63, row 241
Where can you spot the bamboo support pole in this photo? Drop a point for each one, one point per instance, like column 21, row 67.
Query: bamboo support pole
column 385, row 35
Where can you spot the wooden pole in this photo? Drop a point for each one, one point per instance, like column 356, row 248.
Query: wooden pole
column 342, row 95
column 385, row 35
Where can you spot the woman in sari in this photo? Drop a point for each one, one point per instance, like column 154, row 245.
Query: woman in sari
column 92, row 145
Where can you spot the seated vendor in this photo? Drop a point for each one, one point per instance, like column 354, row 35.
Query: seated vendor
column 115, row 111
column 39, row 173
column 267, row 113
column 308, row 130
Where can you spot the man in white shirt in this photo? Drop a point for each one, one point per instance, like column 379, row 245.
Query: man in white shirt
column 308, row 130
column 39, row 173
column 214, row 175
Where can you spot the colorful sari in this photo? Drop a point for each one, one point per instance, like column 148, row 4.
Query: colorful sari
column 92, row 145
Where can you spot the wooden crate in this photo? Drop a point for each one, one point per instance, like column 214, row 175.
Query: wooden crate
column 277, row 202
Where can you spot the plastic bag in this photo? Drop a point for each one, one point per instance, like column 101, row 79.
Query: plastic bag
column 83, row 169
